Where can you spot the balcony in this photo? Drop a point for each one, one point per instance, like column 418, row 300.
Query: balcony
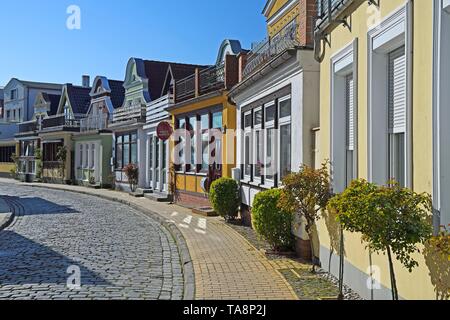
column 27, row 127
column 136, row 111
column 94, row 123
column 266, row 50
column 60, row 122
column 205, row 81
column 332, row 13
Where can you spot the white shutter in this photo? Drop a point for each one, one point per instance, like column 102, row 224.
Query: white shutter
column 397, row 91
column 350, row 111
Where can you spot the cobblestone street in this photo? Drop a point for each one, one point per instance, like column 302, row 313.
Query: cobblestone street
column 120, row 253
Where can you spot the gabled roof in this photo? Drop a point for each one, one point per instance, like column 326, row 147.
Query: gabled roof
column 38, row 85
column 155, row 72
column 79, row 98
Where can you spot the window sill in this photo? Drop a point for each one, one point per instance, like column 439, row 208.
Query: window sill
column 267, row 186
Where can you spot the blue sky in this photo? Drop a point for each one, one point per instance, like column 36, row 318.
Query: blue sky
column 37, row 45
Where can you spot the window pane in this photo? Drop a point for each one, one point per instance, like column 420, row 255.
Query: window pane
column 270, row 165
column 285, row 108
column 126, row 154
column 126, row 138
column 205, row 150
column 217, row 120
column 258, row 117
column 285, row 150
column 150, row 152
column 270, row 113
column 205, row 121
column 258, row 149
column 247, row 155
column 133, row 153
column 248, row 120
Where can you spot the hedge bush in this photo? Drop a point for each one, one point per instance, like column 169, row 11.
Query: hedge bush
column 272, row 223
column 224, row 195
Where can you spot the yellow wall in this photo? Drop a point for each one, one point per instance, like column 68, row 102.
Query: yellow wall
column 278, row 25
column 416, row 285
column 6, row 167
column 190, row 182
column 277, row 6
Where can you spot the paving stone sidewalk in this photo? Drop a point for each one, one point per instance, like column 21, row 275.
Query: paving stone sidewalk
column 225, row 264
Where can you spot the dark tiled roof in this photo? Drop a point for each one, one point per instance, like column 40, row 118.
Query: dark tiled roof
column 117, row 93
column 156, row 73
column 80, row 98
column 181, row 71
column 54, row 103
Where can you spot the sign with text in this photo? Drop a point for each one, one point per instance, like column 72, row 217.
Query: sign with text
column 164, row 130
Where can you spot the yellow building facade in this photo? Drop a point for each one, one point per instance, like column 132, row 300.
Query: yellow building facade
column 206, row 115
column 377, row 70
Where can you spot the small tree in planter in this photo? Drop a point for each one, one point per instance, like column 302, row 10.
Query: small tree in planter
column 225, row 198
column 392, row 220
column 307, row 193
column 132, row 173
column 271, row 223
column 61, row 156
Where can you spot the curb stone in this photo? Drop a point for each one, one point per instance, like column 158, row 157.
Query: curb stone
column 185, row 256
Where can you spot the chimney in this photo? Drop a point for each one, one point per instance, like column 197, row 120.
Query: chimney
column 308, row 11
column 242, row 59
column 86, row 81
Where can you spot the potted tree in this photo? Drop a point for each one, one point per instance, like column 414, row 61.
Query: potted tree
column 392, row 220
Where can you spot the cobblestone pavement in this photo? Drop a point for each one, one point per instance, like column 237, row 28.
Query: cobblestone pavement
column 225, row 264
column 120, row 253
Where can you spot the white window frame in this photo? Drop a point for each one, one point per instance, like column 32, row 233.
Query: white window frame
column 270, row 125
column 257, row 130
column 283, row 122
column 247, row 132
column 392, row 33
column 343, row 64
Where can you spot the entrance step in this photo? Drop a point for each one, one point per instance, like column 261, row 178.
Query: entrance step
column 158, row 196
column 205, row 211
column 136, row 194
column 144, row 191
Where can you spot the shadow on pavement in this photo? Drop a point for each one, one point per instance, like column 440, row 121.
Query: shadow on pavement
column 25, row 262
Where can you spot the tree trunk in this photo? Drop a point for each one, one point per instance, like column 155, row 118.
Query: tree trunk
column 392, row 273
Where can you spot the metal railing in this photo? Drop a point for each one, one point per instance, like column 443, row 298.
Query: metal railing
column 60, row 121
column 185, row 88
column 94, row 123
column 264, row 51
column 333, row 12
column 212, row 78
column 29, row 126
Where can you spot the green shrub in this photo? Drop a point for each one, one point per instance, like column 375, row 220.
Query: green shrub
column 225, row 197
column 272, row 223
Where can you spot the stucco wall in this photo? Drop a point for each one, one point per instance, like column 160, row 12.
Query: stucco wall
column 418, row 284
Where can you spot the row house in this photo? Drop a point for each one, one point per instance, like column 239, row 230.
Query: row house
column 383, row 113
column 18, row 105
column 144, row 82
column 203, row 111
column 93, row 145
column 277, row 101
column 56, row 119
column 157, row 164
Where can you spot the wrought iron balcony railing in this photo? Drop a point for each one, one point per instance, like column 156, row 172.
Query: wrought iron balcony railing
column 263, row 52
column 331, row 13
column 94, row 123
